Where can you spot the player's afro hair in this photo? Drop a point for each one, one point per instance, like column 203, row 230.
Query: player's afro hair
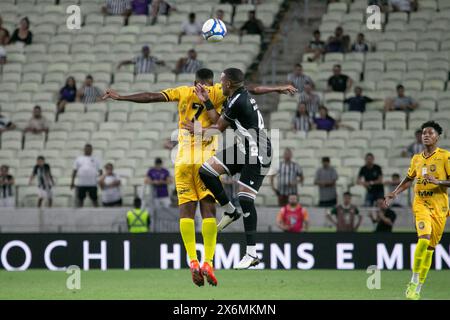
column 235, row 75
column 434, row 125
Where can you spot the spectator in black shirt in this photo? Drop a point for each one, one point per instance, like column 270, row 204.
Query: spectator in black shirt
column 7, row 182
column 23, row 33
column 339, row 82
column 315, row 46
column 371, row 177
column 358, row 102
column 45, row 181
column 383, row 217
column 252, row 25
column 360, row 45
column 338, row 42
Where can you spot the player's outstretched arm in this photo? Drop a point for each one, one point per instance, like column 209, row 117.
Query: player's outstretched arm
column 203, row 96
column 144, row 97
column 282, row 89
column 405, row 184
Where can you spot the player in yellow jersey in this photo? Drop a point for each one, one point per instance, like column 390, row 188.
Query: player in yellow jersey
column 431, row 169
column 191, row 154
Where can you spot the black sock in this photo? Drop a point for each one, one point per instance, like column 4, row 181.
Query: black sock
column 250, row 218
column 212, row 182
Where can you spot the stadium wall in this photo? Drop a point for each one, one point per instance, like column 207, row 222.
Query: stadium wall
column 165, row 250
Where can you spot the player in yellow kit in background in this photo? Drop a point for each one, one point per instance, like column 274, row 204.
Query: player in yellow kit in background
column 191, row 154
column 431, row 168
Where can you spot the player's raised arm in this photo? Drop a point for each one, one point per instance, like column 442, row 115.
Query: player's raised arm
column 203, row 96
column 281, row 89
column 144, row 97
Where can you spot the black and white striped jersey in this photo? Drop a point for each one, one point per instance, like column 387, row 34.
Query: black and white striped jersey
column 244, row 116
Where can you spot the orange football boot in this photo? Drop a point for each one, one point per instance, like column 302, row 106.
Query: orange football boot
column 208, row 272
column 197, row 276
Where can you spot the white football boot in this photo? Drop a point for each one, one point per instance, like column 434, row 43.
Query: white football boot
column 246, row 262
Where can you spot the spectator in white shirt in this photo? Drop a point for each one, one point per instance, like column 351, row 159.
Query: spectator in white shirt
column 144, row 63
column 86, row 168
column 109, row 182
column 191, row 27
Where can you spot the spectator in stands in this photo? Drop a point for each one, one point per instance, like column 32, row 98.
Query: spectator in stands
column 86, row 169
column 289, row 175
column 383, row 217
column 316, row 47
column 298, row 79
column 138, row 219
column 302, row 120
column 109, row 182
column 360, row 44
column 402, row 199
column 252, row 25
column 144, row 63
column 189, row 64
column 159, row 177
column 159, row 7
column 7, row 182
column 345, row 216
column 89, row 93
column 140, row 7
column 403, row 5
column 6, row 124
column 68, row 93
column 370, row 176
column 220, row 14
column 38, row 123
column 293, row 217
column 324, row 121
column 338, row 42
column 325, row 179
column 22, row 33
column 191, row 27
column 339, row 82
column 118, row 8
column 45, row 181
column 358, row 101
column 382, row 4
column 400, row 102
column 415, row 147
column 4, row 34
column 310, row 99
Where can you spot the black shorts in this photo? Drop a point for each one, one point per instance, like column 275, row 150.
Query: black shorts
column 91, row 191
column 252, row 171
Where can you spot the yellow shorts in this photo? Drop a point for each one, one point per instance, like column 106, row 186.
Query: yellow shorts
column 188, row 183
column 429, row 220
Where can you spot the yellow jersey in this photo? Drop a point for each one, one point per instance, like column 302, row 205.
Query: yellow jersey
column 437, row 165
column 193, row 149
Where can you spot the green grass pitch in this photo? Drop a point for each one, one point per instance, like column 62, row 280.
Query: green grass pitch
column 248, row 284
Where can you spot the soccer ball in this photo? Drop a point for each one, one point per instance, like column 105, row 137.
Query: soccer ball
column 214, row 30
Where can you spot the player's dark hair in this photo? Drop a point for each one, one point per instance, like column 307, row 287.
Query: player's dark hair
column 235, row 75
column 434, row 125
column 204, row 74
column 41, row 158
column 137, row 202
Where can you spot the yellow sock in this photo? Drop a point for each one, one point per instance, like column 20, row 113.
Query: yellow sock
column 187, row 229
column 419, row 254
column 426, row 264
column 209, row 232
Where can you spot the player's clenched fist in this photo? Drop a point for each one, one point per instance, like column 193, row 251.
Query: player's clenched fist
column 201, row 92
column 388, row 199
column 110, row 93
